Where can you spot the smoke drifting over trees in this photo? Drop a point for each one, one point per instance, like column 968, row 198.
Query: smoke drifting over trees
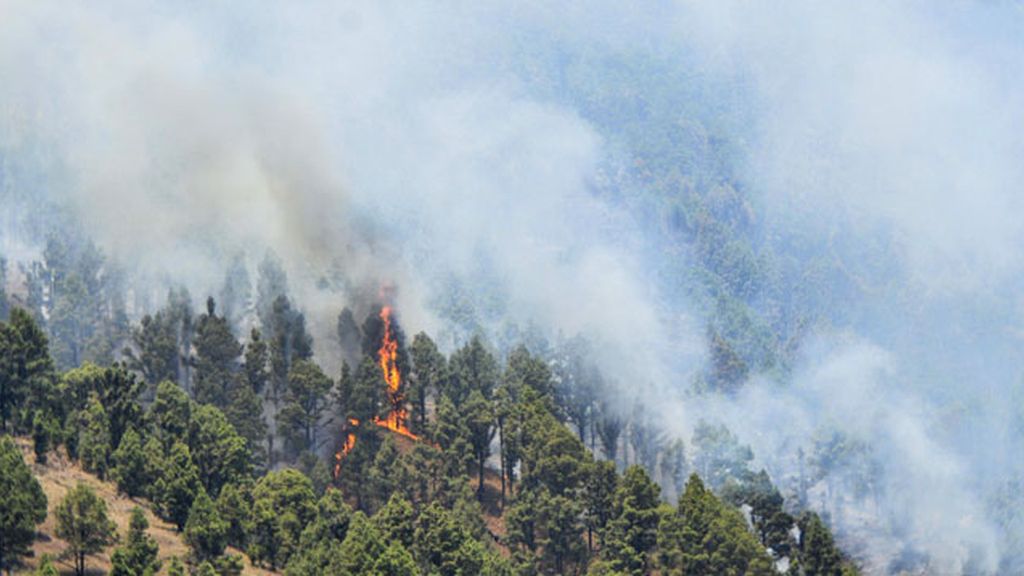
column 788, row 235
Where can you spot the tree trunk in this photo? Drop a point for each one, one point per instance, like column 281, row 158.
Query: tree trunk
column 501, row 459
column 270, row 452
column 421, row 413
column 480, row 490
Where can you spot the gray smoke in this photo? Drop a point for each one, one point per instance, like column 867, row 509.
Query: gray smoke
column 415, row 143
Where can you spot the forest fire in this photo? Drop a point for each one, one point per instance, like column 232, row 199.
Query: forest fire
column 350, row 443
column 397, row 417
column 387, row 356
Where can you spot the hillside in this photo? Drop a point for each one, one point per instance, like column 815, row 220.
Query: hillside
column 57, row 476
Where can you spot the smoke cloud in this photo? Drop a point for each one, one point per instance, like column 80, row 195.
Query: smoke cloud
column 419, row 143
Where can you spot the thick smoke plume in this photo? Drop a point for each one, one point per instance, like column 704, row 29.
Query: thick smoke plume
column 418, row 144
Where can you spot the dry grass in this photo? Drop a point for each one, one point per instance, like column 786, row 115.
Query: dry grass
column 57, row 477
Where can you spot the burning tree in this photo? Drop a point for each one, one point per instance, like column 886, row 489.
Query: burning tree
column 384, row 406
column 397, row 418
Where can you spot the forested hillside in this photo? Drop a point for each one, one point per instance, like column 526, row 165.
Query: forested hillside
column 472, row 463
column 586, row 287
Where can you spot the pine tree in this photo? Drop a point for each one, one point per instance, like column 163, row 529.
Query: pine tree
column 396, row 521
column 283, row 503
column 206, row 532
column 771, row 524
column 170, row 413
column 442, row 546
column 217, row 358
column 561, row 531
column 245, row 413
column 177, row 486
column 395, row 561
column 70, row 321
column 27, row 378
column 129, row 465
column 674, row 467
column 480, row 422
column 818, row 553
column 350, row 336
column 77, row 385
column 94, row 438
column 271, row 284
column 138, row 555
column 236, row 291
column 22, row 505
column 473, row 367
column 728, row 368
column 175, row 567
column 155, row 352
column 256, row 362
column 720, row 456
column 705, row 536
column 46, row 567
column 181, row 317
column 362, row 547
column 577, row 383
column 384, row 476
column 289, row 343
column 85, row 303
column 319, row 550
column 234, row 504
column 43, row 433
column 305, row 403
column 154, row 456
column 430, row 371
column 119, row 393
column 217, row 450
column 82, row 522
column 599, row 493
column 632, row 532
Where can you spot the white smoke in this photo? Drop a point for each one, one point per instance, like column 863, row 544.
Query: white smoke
column 394, row 141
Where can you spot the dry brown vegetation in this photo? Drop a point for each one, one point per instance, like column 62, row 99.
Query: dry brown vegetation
column 57, row 477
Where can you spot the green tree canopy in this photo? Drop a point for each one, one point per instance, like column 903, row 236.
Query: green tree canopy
column 177, row 485
column 22, row 505
column 217, row 358
column 218, row 452
column 26, row 371
column 206, row 532
column 283, row 504
column 137, row 557
column 82, row 522
column 430, row 372
column 94, row 438
column 130, row 467
column 305, row 403
column 170, row 413
column 705, row 536
column 472, row 367
column 632, row 533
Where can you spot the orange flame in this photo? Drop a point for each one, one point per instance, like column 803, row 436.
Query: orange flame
column 387, row 358
column 398, row 417
column 350, row 443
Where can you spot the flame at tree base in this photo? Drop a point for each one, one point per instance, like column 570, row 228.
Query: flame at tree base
column 350, row 443
column 395, row 421
column 392, row 422
column 398, row 417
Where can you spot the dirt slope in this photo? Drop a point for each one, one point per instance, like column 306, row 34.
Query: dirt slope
column 57, row 477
